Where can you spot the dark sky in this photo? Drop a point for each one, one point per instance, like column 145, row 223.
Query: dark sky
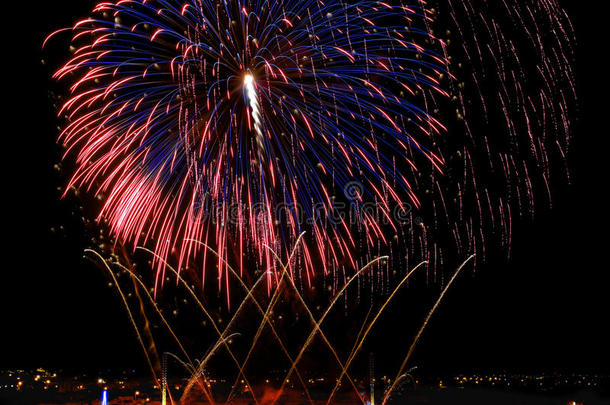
column 544, row 309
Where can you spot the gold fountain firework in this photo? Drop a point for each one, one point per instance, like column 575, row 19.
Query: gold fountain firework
column 196, row 368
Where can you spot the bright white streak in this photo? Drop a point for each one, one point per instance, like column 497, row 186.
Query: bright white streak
column 256, row 115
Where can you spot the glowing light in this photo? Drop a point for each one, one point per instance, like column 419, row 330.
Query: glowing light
column 256, row 115
column 248, row 79
column 104, row 397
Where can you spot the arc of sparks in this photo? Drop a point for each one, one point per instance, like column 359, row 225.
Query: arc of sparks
column 207, row 314
column 135, row 279
column 260, row 309
column 359, row 343
column 317, row 325
column 131, row 318
column 421, row 330
column 189, row 365
column 286, row 275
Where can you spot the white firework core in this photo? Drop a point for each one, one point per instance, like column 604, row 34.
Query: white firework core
column 256, row 115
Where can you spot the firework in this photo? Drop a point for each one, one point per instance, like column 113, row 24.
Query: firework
column 242, row 124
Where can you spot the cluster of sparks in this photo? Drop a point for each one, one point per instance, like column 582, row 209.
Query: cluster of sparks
column 227, row 123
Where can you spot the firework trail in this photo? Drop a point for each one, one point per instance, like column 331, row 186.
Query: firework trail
column 242, row 124
column 256, row 115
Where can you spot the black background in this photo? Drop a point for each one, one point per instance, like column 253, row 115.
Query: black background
column 545, row 309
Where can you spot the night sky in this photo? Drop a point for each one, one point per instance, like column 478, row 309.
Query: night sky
column 544, row 309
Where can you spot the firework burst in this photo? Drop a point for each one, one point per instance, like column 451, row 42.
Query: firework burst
column 241, row 124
